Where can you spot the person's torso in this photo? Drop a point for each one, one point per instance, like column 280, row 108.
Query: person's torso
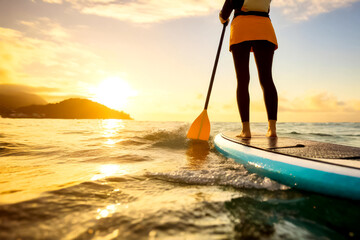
column 256, row 6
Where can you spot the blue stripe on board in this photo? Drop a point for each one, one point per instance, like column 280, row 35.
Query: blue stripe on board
column 292, row 175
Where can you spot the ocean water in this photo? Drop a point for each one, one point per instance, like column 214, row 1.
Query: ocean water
column 114, row 179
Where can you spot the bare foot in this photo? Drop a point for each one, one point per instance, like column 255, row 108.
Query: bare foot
column 244, row 135
column 245, row 132
column 271, row 133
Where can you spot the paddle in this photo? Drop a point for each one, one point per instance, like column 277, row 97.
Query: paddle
column 200, row 128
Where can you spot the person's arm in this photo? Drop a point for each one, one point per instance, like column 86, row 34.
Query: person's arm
column 226, row 11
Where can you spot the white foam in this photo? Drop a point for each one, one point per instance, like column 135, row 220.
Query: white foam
column 234, row 175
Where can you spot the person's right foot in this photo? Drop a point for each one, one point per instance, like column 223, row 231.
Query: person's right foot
column 271, row 133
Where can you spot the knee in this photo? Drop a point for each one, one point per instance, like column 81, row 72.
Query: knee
column 242, row 86
column 266, row 81
column 242, row 91
column 242, row 76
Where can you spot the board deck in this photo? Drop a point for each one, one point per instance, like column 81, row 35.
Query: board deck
column 327, row 152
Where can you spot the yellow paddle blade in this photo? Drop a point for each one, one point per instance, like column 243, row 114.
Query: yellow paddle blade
column 200, row 129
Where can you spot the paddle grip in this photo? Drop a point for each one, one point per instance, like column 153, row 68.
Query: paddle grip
column 215, row 66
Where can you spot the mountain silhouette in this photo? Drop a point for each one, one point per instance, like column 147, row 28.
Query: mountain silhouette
column 73, row 108
column 12, row 100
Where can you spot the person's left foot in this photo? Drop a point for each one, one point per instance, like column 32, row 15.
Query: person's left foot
column 244, row 134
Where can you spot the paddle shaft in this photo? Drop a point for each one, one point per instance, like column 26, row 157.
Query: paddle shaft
column 215, row 66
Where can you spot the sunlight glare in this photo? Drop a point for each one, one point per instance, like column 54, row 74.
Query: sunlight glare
column 112, row 124
column 113, row 92
column 108, row 170
column 111, row 128
column 103, row 213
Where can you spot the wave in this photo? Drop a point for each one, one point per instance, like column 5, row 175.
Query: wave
column 351, row 135
column 77, row 132
column 162, row 138
column 322, row 134
column 13, row 149
column 315, row 134
column 125, row 158
column 236, row 176
column 173, row 139
column 131, row 142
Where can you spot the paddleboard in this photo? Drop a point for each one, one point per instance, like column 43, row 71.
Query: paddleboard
column 325, row 168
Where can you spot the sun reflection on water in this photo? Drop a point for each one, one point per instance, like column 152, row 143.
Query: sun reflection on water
column 110, row 209
column 109, row 170
column 110, row 142
column 103, row 213
column 111, row 128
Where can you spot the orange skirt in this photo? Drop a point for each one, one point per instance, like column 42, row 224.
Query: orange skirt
column 249, row 27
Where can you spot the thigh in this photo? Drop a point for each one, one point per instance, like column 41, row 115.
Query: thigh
column 241, row 55
column 264, row 53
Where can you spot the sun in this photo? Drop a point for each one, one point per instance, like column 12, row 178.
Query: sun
column 113, row 92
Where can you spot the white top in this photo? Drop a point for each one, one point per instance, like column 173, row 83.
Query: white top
column 256, row 5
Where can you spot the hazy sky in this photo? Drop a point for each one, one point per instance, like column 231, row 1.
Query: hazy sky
column 153, row 58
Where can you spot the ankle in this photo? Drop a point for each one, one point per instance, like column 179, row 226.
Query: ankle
column 272, row 125
column 271, row 132
column 246, row 126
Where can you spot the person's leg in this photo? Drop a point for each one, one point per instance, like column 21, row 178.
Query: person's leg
column 264, row 53
column 241, row 55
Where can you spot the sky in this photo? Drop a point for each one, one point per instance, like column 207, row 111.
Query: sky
column 153, row 58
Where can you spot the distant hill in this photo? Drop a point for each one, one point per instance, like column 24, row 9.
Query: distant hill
column 13, row 100
column 74, row 108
